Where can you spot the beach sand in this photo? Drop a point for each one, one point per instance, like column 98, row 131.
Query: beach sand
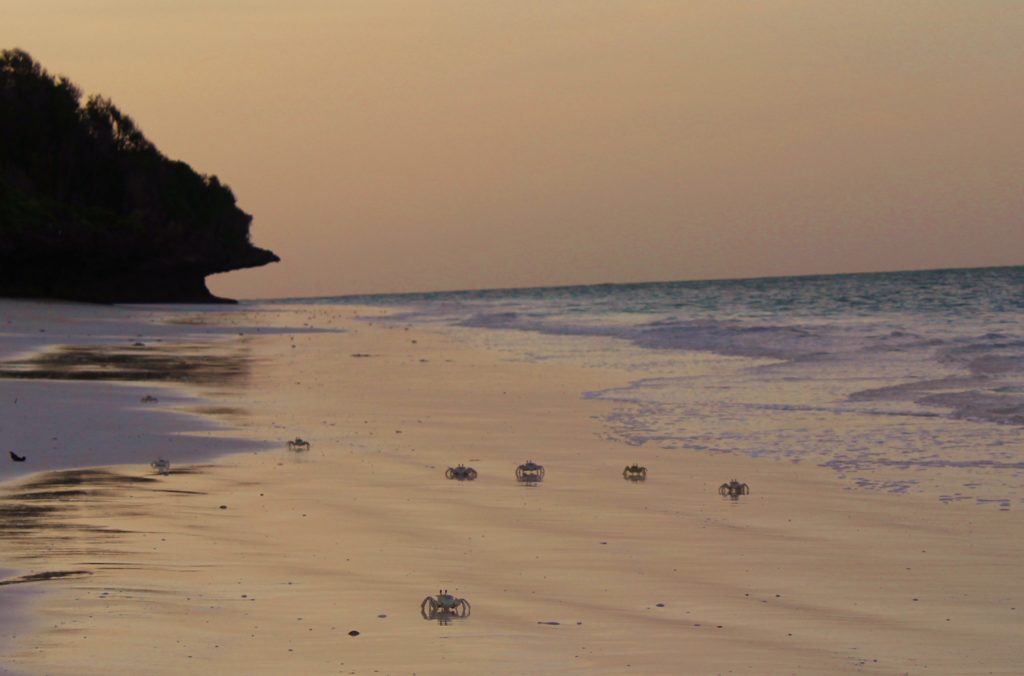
column 267, row 561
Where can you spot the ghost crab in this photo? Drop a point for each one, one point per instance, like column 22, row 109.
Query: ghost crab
column 530, row 472
column 443, row 606
column 461, row 473
column 298, row 444
column 733, row 489
column 634, row 473
column 162, row 466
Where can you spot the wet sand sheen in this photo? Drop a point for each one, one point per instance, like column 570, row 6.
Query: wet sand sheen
column 13, row 614
column 115, row 390
column 265, row 563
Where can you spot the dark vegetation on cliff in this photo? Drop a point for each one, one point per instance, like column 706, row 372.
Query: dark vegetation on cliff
column 91, row 210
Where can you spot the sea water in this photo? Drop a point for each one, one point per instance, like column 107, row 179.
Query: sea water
column 901, row 382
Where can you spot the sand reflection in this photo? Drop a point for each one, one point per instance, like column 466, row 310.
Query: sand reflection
column 193, row 363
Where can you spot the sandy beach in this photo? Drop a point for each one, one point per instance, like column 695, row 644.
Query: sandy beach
column 249, row 558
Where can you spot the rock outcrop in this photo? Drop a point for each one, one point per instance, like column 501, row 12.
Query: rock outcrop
column 90, row 209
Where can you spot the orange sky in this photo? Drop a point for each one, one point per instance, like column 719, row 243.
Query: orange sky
column 433, row 144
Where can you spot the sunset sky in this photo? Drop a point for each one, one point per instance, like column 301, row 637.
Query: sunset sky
column 425, row 145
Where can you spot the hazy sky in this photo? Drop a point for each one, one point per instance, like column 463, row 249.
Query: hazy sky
column 421, row 145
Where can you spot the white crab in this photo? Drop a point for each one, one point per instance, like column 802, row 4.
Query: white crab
column 444, row 605
column 733, row 489
column 635, row 472
column 461, row 473
column 530, row 472
column 161, row 466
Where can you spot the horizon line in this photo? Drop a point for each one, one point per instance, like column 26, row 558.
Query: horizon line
column 540, row 287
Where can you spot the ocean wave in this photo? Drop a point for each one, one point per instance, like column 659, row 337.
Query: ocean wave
column 491, row 320
column 732, row 338
column 942, row 341
column 980, row 406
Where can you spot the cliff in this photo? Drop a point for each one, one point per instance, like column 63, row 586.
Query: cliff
column 90, row 209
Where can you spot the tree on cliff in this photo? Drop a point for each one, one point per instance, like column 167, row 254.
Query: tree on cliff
column 91, row 210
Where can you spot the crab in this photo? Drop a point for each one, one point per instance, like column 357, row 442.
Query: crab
column 149, row 399
column 298, row 444
column 530, row 472
column 462, row 473
column 634, row 472
column 443, row 606
column 733, row 489
column 161, row 466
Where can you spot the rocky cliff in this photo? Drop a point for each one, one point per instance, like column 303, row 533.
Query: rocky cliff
column 91, row 210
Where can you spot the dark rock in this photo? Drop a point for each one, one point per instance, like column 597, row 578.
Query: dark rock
column 90, row 210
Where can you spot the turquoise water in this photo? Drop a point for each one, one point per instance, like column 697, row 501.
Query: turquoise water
column 905, row 382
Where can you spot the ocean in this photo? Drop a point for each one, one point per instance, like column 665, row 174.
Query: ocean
column 906, row 382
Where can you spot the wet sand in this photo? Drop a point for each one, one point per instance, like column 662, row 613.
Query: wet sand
column 14, row 600
column 263, row 563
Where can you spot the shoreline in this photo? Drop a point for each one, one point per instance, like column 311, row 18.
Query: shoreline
column 159, row 367
column 115, row 405
column 594, row 574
